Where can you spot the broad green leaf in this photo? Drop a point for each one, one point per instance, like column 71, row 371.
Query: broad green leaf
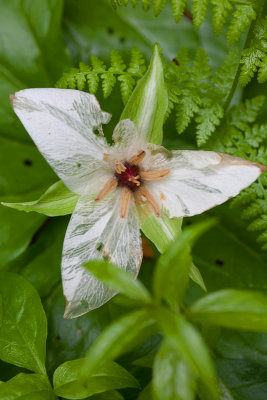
column 23, row 330
column 68, row 384
column 172, row 379
column 57, row 200
column 119, row 280
column 120, row 337
column 190, row 347
column 173, row 266
column 233, row 309
column 146, row 393
column 40, row 262
column 27, row 387
column 162, row 232
column 16, row 232
column 148, row 103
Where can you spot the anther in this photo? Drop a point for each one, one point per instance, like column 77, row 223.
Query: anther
column 108, row 187
column 125, row 202
column 154, row 175
column 135, row 160
column 135, row 179
column 150, row 199
column 119, row 167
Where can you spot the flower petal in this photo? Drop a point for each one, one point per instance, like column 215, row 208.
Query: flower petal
column 96, row 231
column 61, row 123
column 199, row 180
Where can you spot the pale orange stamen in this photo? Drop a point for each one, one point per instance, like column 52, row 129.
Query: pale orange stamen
column 108, row 187
column 154, row 175
column 106, row 157
column 125, row 201
column 119, row 167
column 150, row 199
column 135, row 160
column 135, row 179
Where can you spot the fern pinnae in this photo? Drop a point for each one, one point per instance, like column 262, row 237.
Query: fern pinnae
column 199, row 12
column 220, row 13
column 178, row 8
column 242, row 17
column 158, row 6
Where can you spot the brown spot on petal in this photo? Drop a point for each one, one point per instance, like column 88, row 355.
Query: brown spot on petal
column 11, row 98
column 162, row 196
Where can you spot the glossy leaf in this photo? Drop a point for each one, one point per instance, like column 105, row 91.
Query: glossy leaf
column 57, row 200
column 121, row 336
column 27, row 387
column 23, row 329
column 190, row 347
column 68, row 384
column 233, row 309
column 172, row 379
column 119, row 280
column 174, row 265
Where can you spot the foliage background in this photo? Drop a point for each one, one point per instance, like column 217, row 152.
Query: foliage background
column 39, row 40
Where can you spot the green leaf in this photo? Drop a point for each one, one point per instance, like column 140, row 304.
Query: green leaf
column 121, row 336
column 16, row 232
column 173, row 266
column 190, row 347
column 23, row 330
column 172, row 379
column 119, row 280
column 232, row 308
column 68, row 383
column 26, row 387
column 148, row 103
column 57, row 200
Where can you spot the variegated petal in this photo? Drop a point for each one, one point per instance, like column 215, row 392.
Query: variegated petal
column 61, row 123
column 199, row 180
column 97, row 231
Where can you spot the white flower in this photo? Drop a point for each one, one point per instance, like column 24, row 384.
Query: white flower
column 116, row 182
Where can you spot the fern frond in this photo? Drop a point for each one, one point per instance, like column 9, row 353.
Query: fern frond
column 178, row 8
column 98, row 71
column 158, row 6
column 146, row 4
column 201, row 68
column 185, row 111
column 254, row 57
column 242, row 18
column 208, row 119
column 224, row 76
column 199, row 12
column 221, row 11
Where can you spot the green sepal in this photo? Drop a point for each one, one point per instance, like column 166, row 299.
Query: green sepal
column 57, row 200
column 148, row 103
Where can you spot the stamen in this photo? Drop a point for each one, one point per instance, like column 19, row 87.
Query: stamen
column 135, row 179
column 135, row 160
column 119, row 167
column 106, row 157
column 153, row 176
column 150, row 199
column 108, row 187
column 125, row 201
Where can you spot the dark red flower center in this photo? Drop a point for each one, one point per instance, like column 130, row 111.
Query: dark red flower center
column 129, row 177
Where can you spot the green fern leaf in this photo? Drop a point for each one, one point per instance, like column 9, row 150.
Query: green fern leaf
column 108, row 82
column 134, row 3
column 262, row 75
column 258, row 224
column 146, row 4
column 93, row 81
column 221, row 11
column 137, row 63
column 98, row 65
column 117, row 63
column 207, row 120
column 178, row 8
column 262, row 237
column 158, row 6
column 242, row 18
column 127, row 84
column 250, row 61
column 199, row 12
column 201, row 67
column 185, row 111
